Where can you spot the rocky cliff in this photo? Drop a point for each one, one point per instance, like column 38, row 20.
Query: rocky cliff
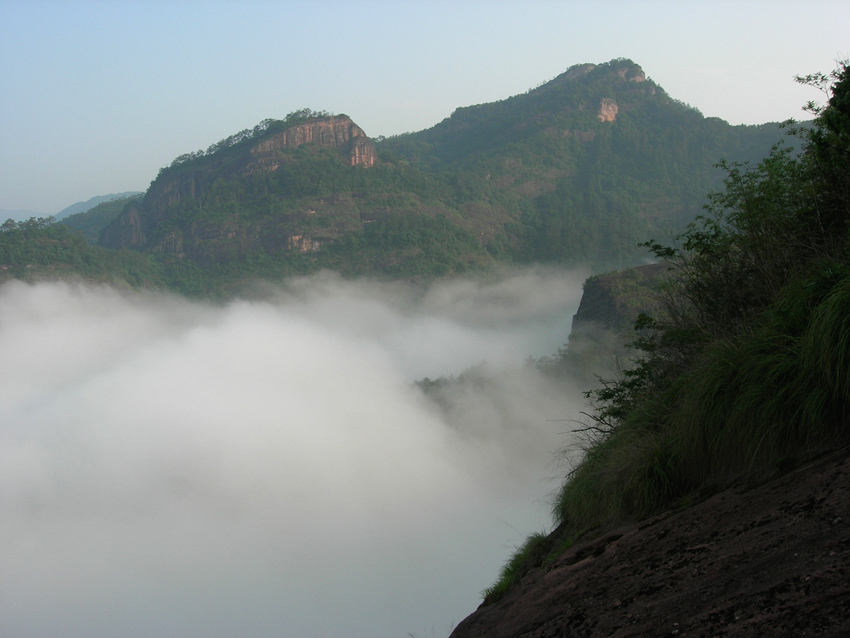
column 182, row 187
column 331, row 132
column 613, row 301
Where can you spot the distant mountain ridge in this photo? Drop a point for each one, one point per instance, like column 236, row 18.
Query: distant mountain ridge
column 19, row 214
column 92, row 221
column 82, row 207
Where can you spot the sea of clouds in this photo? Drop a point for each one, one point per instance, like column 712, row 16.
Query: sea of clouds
column 266, row 466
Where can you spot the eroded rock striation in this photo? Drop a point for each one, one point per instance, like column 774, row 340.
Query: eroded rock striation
column 337, row 132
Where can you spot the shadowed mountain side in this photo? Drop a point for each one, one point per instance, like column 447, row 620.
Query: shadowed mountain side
column 613, row 301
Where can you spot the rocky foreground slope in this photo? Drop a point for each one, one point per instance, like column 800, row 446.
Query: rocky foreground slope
column 773, row 560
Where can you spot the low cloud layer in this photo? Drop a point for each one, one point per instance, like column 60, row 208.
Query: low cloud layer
column 267, row 467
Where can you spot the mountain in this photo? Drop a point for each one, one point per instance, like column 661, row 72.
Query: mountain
column 82, row 207
column 205, row 187
column 577, row 170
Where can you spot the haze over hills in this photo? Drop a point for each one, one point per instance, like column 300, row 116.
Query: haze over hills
column 19, row 214
column 73, row 209
column 82, row 207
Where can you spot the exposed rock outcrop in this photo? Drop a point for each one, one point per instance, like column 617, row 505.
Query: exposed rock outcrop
column 577, row 71
column 607, row 110
column 362, row 152
column 337, row 132
column 633, row 73
column 613, row 301
column 304, row 244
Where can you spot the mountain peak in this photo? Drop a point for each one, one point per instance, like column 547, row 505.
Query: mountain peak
column 333, row 131
column 623, row 67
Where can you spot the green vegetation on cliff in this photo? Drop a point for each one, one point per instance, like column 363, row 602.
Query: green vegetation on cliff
column 745, row 373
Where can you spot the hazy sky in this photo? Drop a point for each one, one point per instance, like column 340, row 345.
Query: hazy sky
column 171, row 469
column 97, row 96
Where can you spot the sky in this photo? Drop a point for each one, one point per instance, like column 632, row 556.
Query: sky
column 266, row 467
column 97, row 96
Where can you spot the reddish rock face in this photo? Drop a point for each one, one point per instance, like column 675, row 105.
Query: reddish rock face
column 607, row 110
column 331, row 132
column 362, row 152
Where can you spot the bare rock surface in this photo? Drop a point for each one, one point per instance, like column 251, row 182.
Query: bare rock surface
column 773, row 560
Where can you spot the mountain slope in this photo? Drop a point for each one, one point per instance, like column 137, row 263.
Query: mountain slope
column 92, row 221
column 769, row 561
column 600, row 151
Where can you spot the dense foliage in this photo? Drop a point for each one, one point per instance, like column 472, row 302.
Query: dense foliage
column 39, row 248
column 577, row 189
column 745, row 373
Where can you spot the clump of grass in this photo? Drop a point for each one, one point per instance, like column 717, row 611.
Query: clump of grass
column 744, row 408
column 529, row 555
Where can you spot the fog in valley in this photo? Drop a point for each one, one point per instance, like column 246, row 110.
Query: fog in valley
column 267, row 467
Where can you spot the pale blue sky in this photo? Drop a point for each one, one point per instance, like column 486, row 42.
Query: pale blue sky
column 97, row 96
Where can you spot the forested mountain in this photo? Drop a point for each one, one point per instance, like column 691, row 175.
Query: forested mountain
column 577, row 170
column 589, row 163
